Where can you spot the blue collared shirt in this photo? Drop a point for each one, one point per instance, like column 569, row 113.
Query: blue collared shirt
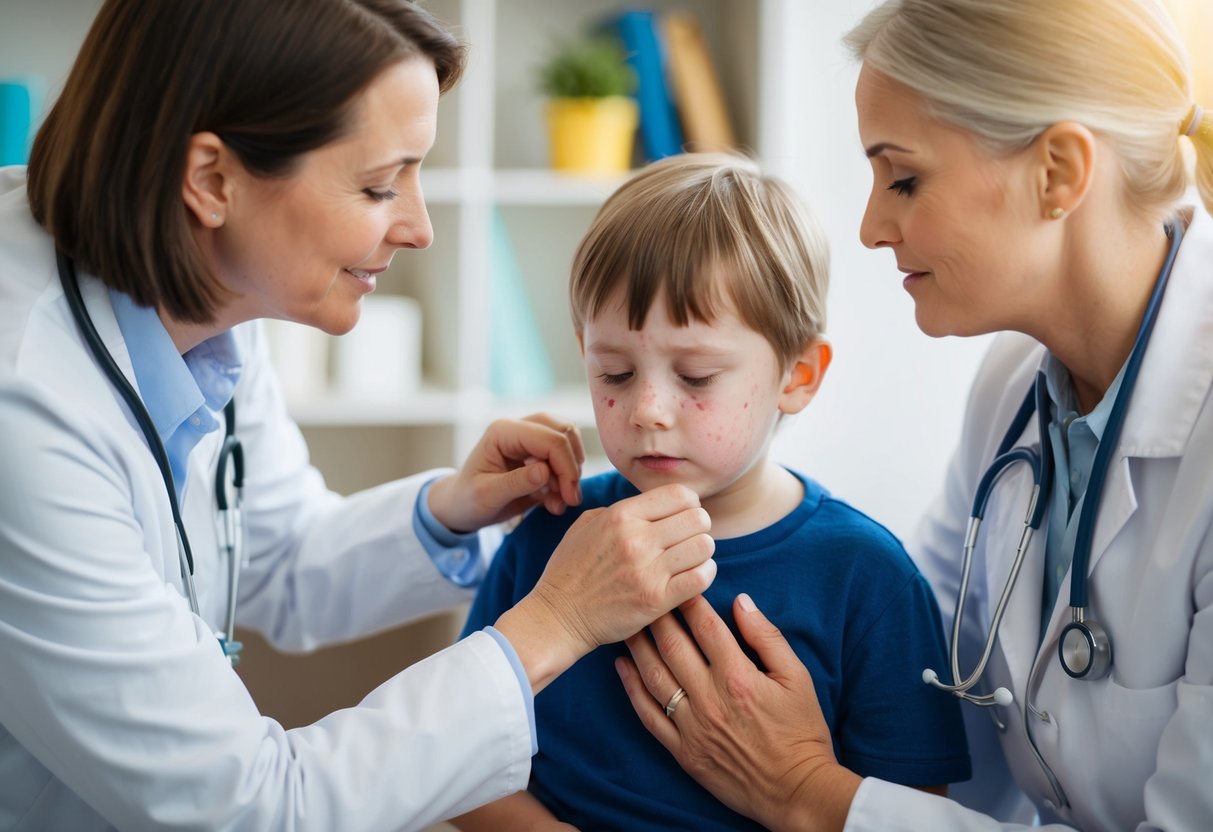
column 1075, row 440
column 182, row 393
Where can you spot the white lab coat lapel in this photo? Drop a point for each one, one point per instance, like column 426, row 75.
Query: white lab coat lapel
column 1167, row 400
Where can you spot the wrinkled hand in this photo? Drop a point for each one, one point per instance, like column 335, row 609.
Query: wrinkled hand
column 757, row 741
column 616, row 570
column 516, row 465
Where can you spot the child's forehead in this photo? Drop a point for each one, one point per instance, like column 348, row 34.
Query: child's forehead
column 611, row 328
column 708, row 299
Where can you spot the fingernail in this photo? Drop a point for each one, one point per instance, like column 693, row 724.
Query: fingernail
column 621, row 667
column 746, row 602
column 536, row 475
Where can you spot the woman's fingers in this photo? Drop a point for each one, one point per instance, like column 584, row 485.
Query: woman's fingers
column 616, row 570
column 750, row 737
column 768, row 642
column 645, row 703
column 516, row 464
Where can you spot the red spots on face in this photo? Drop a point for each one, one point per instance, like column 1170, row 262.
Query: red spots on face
column 745, row 406
column 700, row 406
column 610, row 402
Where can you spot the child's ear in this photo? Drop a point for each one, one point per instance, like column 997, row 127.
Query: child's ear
column 802, row 381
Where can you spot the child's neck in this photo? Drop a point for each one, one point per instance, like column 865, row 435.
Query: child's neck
column 762, row 497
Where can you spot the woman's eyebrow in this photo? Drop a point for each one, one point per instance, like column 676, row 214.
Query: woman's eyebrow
column 402, row 163
column 881, row 147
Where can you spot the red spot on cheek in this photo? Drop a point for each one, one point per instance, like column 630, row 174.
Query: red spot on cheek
column 746, row 405
column 610, row 402
column 701, row 406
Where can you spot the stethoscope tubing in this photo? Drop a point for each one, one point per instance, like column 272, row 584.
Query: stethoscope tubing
column 230, row 518
column 1084, row 649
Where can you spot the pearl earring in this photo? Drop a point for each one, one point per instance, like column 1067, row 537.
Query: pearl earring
column 1057, row 213
column 214, row 216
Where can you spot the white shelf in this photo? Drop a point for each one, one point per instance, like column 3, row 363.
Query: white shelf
column 427, row 407
column 523, row 186
column 434, row 407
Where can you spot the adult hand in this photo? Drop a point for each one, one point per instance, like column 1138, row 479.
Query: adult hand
column 517, row 464
column 757, row 741
column 616, row 570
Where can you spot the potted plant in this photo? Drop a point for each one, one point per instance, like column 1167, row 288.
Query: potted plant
column 591, row 115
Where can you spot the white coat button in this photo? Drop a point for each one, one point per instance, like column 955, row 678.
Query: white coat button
column 195, row 420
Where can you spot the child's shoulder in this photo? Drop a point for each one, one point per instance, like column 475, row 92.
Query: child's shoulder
column 841, row 525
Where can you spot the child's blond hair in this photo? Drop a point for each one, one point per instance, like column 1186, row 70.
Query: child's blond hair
column 708, row 230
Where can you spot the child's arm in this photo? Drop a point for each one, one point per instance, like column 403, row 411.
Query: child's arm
column 519, row 812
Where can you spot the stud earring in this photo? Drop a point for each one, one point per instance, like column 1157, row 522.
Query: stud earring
column 1057, row 213
column 214, row 217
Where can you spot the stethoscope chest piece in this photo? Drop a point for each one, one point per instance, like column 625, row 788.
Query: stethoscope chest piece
column 1085, row 650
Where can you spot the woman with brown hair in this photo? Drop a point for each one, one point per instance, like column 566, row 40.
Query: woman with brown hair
column 209, row 164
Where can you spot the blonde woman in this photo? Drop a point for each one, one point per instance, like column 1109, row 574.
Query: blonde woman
column 1030, row 176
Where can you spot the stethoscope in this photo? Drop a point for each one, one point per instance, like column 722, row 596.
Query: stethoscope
column 230, row 526
column 1084, row 649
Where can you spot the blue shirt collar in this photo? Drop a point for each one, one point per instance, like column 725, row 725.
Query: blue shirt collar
column 172, row 386
column 1065, row 402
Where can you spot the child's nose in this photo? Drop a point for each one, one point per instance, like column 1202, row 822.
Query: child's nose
column 652, row 410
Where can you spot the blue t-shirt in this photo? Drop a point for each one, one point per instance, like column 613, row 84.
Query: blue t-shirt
column 847, row 597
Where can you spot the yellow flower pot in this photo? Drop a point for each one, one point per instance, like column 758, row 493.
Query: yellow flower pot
column 591, row 135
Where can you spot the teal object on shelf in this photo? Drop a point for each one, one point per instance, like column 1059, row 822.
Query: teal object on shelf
column 518, row 362
column 16, row 118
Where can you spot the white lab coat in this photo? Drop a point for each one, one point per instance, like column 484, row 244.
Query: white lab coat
column 1134, row 750
column 117, row 707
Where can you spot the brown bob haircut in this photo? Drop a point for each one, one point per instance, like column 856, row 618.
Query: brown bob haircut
column 273, row 79
column 711, row 232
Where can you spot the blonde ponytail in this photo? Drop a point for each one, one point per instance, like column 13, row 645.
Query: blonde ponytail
column 1199, row 128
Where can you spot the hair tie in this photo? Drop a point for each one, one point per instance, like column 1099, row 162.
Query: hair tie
column 1195, row 116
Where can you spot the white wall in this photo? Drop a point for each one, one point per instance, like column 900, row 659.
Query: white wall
column 882, row 429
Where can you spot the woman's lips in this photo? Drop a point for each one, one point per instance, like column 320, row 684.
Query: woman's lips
column 365, row 276
column 911, row 277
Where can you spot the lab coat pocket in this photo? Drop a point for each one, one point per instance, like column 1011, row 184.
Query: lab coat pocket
column 1131, row 723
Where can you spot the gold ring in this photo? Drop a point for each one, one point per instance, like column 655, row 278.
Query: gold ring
column 670, row 706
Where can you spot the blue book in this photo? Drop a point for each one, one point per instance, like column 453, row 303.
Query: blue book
column 16, row 115
column 518, row 362
column 660, row 131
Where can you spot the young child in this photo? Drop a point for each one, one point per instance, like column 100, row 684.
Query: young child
column 698, row 298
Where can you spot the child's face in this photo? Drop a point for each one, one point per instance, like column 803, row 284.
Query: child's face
column 695, row 405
